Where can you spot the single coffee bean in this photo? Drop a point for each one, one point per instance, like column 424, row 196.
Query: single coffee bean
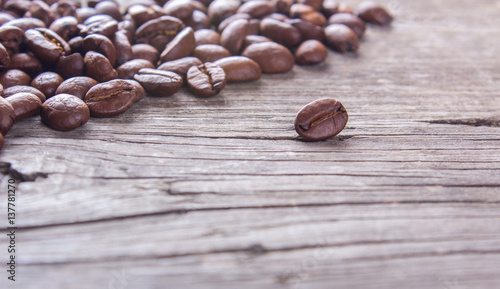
column 46, row 45
column 316, row 4
column 140, row 93
column 310, row 52
column 198, row 20
column 372, row 12
column 158, row 32
column 129, row 68
column 128, row 27
column 280, row 32
column 8, row 92
column 76, row 44
column 65, row 8
column 307, row 29
column 159, row 82
column 142, row 14
column 278, row 16
column 239, row 68
column 109, row 8
column 232, row 37
column 200, row 6
column 111, row 98
column 321, row 119
column 181, row 46
column 11, row 37
column 330, row 7
column 206, row 79
column 26, row 62
column 26, row 23
column 42, row 11
column 181, row 9
column 283, row 6
column 231, row 19
column 271, row 57
column 77, row 86
column 4, row 17
column 123, row 48
column 350, row 20
column 341, row 38
column 251, row 39
column 180, row 66
column 106, row 27
column 102, row 44
column 1, row 141
column 145, row 51
column 98, row 67
column 218, row 10
column 66, row 27
column 1, row 90
column 47, row 83
column 70, row 66
column 206, row 36
column 7, row 116
column 24, row 104
column 65, row 112
column 299, row 9
column 13, row 77
column 4, row 57
column 210, row 52
column 315, row 18
column 254, row 27
column 257, row 8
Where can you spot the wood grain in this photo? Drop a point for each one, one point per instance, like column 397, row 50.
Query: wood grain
column 185, row 192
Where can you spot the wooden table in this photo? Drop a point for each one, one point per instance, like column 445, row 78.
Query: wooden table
column 186, row 192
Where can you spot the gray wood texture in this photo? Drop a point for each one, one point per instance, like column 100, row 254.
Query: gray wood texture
column 185, row 192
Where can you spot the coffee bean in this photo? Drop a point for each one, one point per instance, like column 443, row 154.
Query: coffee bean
column 278, row 16
column 218, row 10
column 307, row 29
column 315, row 18
column 66, row 27
column 24, row 104
column 26, row 62
column 106, row 27
column 253, row 27
column 46, row 45
column 372, row 12
column 341, row 38
column 142, row 14
column 299, row 9
column 310, row 52
column 206, row 79
column 111, row 98
column 239, row 68
column 251, row 39
column 271, row 57
column 206, row 36
column 65, row 112
column 159, row 82
column 129, row 68
column 181, row 46
column 42, row 11
column 26, row 23
column 47, row 83
column 283, row 6
column 280, row 32
column 198, row 20
column 316, row 4
column 330, row 7
column 4, row 17
column 1, row 141
column 76, row 44
column 123, row 48
column 181, row 9
column 11, row 38
column 145, row 51
column 102, row 44
column 8, row 92
column 13, row 77
column 140, row 93
column 210, row 52
column 109, row 8
column 127, row 27
column 231, row 19
column 321, row 119
column 70, row 66
column 77, row 86
column 7, row 116
column 257, row 8
column 4, row 57
column 180, row 66
column 158, row 32
column 98, row 67
column 350, row 20
column 232, row 37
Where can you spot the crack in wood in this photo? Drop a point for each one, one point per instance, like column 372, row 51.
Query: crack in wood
column 7, row 169
column 489, row 122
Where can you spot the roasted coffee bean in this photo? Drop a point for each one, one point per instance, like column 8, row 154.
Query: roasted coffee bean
column 218, row 10
column 26, row 23
column 314, row 17
column 239, row 68
column 307, row 29
column 26, row 62
column 109, row 8
column 76, row 44
column 1, row 90
column 251, row 39
column 316, row 4
column 159, row 82
column 158, row 32
column 129, row 68
column 372, row 12
column 65, row 8
column 123, row 48
column 24, row 104
column 278, row 16
column 181, row 9
column 198, row 5
column 106, row 27
column 77, row 86
column 344, row 8
column 66, row 27
column 210, row 52
column 70, row 66
column 198, row 20
column 271, row 57
column 5, row 17
column 97, row 66
column 181, row 46
column 350, row 20
column 231, row 19
column 206, row 79
column 283, row 6
column 257, row 8
column 280, row 32
column 14, row 77
column 330, row 7
column 140, row 93
column 310, row 52
column 254, row 27
column 65, row 112
column 47, row 83
column 47, row 45
column 206, row 36
column 299, row 9
column 180, row 66
column 8, row 92
column 127, row 27
column 232, row 37
column 1, row 141
column 7, row 116
column 42, row 11
column 341, row 38
column 102, row 44
column 142, row 14
column 4, row 57
column 321, row 119
column 111, row 98
column 145, row 51
column 85, row 13
column 11, row 38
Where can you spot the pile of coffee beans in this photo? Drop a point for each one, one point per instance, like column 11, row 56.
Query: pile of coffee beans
column 68, row 61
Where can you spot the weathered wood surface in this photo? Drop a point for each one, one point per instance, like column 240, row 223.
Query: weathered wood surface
column 184, row 192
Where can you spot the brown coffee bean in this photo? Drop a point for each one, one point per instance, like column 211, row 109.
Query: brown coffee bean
column 26, row 62
column 106, row 27
column 123, row 48
column 85, row 13
column 218, row 10
column 158, row 32
column 7, row 116
column 280, row 32
column 70, row 66
column 181, row 9
column 76, row 44
column 42, row 11
column 4, row 57
column 47, row 45
column 232, row 37
column 180, row 66
column 14, row 77
column 142, row 14
column 26, row 23
column 283, row 6
column 210, row 52
column 129, row 68
column 316, row 4
column 350, row 20
column 24, row 104
column 145, row 51
column 159, row 82
column 102, row 44
column 330, row 7
column 98, row 67
column 341, row 38
column 321, row 119
column 307, row 29
column 372, row 12
column 257, row 8
column 11, row 38
column 251, row 39
column 198, row 20
column 231, row 19
column 128, row 27
column 65, row 8
column 111, row 98
column 5, row 17
column 239, row 68
column 314, row 17
column 65, row 112
column 77, row 86
column 206, row 36
column 1, row 141
column 206, row 79
column 8, row 92
column 299, row 9
column 310, row 52
column 181, row 46
column 271, row 57
column 66, row 27
column 109, row 8
column 140, row 93
column 278, row 16
column 47, row 83
column 254, row 27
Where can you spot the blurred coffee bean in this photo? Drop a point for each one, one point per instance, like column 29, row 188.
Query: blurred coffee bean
column 271, row 57
column 77, row 86
column 210, row 52
column 310, row 52
column 341, row 38
column 239, row 68
column 129, row 68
